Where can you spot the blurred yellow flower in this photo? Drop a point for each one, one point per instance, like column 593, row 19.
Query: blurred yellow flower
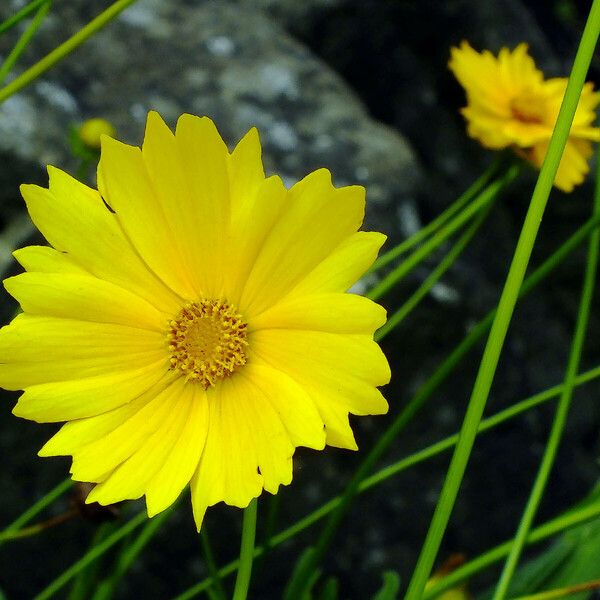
column 92, row 130
column 190, row 321
column 509, row 103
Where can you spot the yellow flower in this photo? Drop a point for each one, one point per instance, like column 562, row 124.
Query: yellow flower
column 190, row 321
column 92, row 130
column 510, row 104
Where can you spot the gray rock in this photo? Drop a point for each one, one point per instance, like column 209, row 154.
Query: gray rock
column 176, row 58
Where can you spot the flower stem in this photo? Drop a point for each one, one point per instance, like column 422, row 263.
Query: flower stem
column 423, row 394
column 39, row 527
column 586, row 586
column 129, row 554
column 506, row 307
column 91, row 556
column 64, row 49
column 19, row 16
column 31, row 512
column 24, row 40
column 562, row 410
column 473, row 190
column 401, row 313
column 567, row 520
column 209, row 559
column 406, row 266
column 242, row 582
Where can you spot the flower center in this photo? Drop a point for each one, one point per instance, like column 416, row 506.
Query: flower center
column 207, row 341
column 529, row 107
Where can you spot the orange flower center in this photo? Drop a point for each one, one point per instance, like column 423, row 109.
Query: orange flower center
column 207, row 341
column 528, row 107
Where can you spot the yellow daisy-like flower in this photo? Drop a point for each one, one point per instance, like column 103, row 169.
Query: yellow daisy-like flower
column 190, row 321
column 510, row 104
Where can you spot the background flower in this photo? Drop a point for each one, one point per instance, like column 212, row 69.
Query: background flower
column 509, row 104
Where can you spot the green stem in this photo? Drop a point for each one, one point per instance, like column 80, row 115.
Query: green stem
column 422, row 395
column 562, row 410
column 85, row 583
column 242, row 582
column 24, row 40
column 39, row 527
column 34, row 510
column 91, row 556
column 130, row 552
column 20, row 15
column 506, row 307
column 444, row 265
column 403, row 465
column 273, row 505
column 209, row 558
column 457, row 205
column 64, row 49
column 427, row 390
column 587, row 586
column 406, row 266
column 486, row 424
column 566, row 521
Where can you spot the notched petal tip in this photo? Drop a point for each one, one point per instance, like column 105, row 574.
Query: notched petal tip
column 156, row 127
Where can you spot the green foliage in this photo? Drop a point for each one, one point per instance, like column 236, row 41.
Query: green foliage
column 390, row 587
column 330, row 589
column 573, row 558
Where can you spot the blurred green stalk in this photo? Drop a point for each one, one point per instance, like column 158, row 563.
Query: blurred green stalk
column 63, row 50
column 506, row 307
column 24, row 40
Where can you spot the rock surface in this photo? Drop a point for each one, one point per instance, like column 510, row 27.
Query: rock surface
column 328, row 83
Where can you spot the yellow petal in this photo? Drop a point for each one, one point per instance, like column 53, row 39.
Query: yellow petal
column 83, row 297
column 274, row 449
column 37, row 349
column 183, row 208
column 344, row 266
column 203, row 157
column 246, row 173
column 336, row 313
column 38, row 338
column 338, row 372
column 44, row 259
column 227, row 470
column 124, row 183
column 573, row 165
column 20, row 375
column 73, row 436
column 246, row 242
column 324, row 354
column 317, row 219
column 75, row 220
column 105, row 454
column 67, row 400
column 479, row 74
column 525, row 134
column 295, row 407
column 129, row 480
column 179, row 466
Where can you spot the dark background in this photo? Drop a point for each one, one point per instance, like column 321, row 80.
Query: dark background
column 362, row 88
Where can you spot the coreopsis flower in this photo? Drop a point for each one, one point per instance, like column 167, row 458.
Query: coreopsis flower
column 189, row 321
column 91, row 131
column 510, row 104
